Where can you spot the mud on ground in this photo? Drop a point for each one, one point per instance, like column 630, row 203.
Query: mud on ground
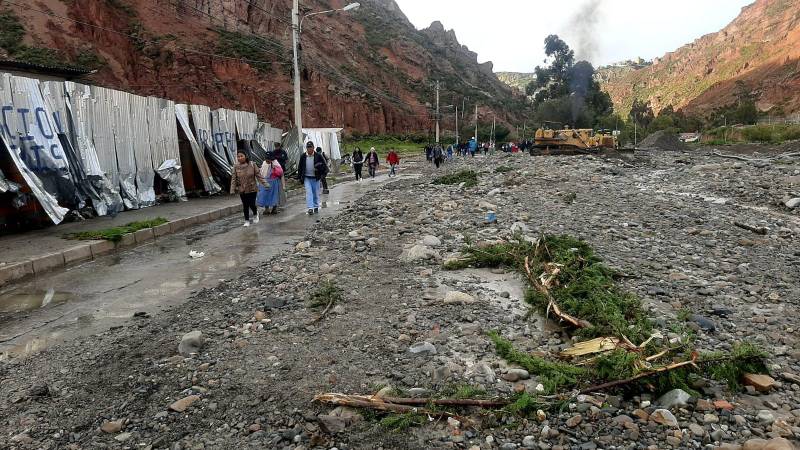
column 664, row 219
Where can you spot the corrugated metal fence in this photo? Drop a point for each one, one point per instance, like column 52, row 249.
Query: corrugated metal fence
column 77, row 146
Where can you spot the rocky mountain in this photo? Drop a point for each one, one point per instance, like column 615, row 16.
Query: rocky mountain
column 758, row 54
column 369, row 70
column 517, row 80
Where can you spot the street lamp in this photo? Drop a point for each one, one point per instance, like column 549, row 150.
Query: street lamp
column 297, row 28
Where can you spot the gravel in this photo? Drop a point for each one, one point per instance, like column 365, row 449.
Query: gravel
column 664, row 219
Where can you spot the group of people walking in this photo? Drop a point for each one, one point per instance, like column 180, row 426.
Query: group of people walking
column 372, row 160
column 265, row 186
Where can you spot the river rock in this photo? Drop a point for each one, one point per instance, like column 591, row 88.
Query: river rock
column 423, row 348
column 676, row 398
column 184, row 403
column 664, row 417
column 772, row 444
column 191, row 342
column 458, row 298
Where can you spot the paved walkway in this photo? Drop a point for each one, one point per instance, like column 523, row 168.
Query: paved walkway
column 40, row 250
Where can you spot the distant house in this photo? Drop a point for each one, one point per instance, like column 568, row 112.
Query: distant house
column 42, row 72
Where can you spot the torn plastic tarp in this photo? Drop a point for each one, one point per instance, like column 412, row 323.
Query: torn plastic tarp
column 48, row 202
column 7, row 185
column 170, row 171
column 94, row 188
column 79, row 113
column 182, row 115
column 30, row 135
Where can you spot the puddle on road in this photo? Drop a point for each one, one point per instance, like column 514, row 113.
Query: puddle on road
column 16, row 302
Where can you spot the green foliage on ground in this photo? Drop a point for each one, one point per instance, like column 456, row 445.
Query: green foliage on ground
column 327, row 294
column 764, row 134
column 115, row 234
column 503, row 169
column 463, row 391
column 468, row 177
column 402, row 422
column 554, row 376
column 585, row 288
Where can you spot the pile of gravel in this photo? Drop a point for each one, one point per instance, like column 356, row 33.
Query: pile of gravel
column 663, row 140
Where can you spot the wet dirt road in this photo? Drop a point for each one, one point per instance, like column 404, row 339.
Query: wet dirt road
column 97, row 295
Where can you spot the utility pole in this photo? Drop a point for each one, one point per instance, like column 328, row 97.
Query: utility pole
column 437, row 111
column 494, row 123
column 476, row 123
column 456, row 124
column 298, row 103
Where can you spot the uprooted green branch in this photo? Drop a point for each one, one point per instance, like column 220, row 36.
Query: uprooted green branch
column 570, row 283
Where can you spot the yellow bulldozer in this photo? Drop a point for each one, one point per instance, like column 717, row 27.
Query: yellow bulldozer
column 565, row 140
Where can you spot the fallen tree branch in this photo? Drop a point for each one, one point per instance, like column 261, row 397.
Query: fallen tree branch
column 757, row 230
column 447, row 402
column 615, row 383
column 739, row 158
column 321, row 316
column 374, row 402
column 552, row 305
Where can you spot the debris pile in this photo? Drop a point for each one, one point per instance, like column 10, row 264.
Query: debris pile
column 612, row 320
column 663, row 140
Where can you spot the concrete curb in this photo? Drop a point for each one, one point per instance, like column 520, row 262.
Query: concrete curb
column 95, row 249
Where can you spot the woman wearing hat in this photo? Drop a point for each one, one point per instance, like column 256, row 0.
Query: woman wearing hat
column 269, row 197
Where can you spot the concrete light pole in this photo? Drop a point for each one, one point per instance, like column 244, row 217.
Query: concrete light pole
column 297, row 28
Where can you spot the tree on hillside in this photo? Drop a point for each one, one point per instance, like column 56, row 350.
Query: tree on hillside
column 642, row 113
column 566, row 91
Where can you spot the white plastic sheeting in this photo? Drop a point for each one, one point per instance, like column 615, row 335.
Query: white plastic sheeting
column 327, row 138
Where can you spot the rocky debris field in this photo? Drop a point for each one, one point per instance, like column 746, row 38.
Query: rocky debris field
column 238, row 366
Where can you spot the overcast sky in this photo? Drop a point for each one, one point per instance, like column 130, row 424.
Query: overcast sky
column 511, row 33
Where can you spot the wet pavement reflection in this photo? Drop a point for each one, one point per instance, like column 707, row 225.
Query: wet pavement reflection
column 97, row 295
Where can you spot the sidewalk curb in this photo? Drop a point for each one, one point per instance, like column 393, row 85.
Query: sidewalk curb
column 94, row 249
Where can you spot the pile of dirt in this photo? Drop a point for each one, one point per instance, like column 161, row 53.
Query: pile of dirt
column 663, row 140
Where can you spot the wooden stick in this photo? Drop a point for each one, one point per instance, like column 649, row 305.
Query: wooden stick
column 372, row 402
column 757, row 230
column 447, row 402
column 611, row 384
column 330, row 303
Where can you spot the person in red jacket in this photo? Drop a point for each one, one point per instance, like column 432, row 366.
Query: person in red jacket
column 393, row 159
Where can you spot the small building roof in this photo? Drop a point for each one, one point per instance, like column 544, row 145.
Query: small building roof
column 58, row 71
